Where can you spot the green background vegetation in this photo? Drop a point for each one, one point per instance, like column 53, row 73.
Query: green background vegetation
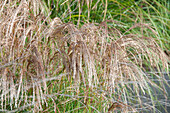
column 155, row 13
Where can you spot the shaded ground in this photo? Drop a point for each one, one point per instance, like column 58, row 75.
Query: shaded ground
column 163, row 103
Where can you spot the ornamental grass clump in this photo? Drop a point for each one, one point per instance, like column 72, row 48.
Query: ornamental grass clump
column 48, row 65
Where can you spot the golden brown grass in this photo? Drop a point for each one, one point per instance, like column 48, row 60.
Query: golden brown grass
column 38, row 54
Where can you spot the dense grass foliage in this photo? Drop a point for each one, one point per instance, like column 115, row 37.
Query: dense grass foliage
column 83, row 55
column 125, row 14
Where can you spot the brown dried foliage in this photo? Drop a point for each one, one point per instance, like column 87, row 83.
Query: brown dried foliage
column 34, row 48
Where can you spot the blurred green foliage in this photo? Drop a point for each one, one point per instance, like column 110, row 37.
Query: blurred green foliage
column 155, row 13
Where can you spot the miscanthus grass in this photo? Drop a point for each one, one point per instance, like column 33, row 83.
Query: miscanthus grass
column 51, row 66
